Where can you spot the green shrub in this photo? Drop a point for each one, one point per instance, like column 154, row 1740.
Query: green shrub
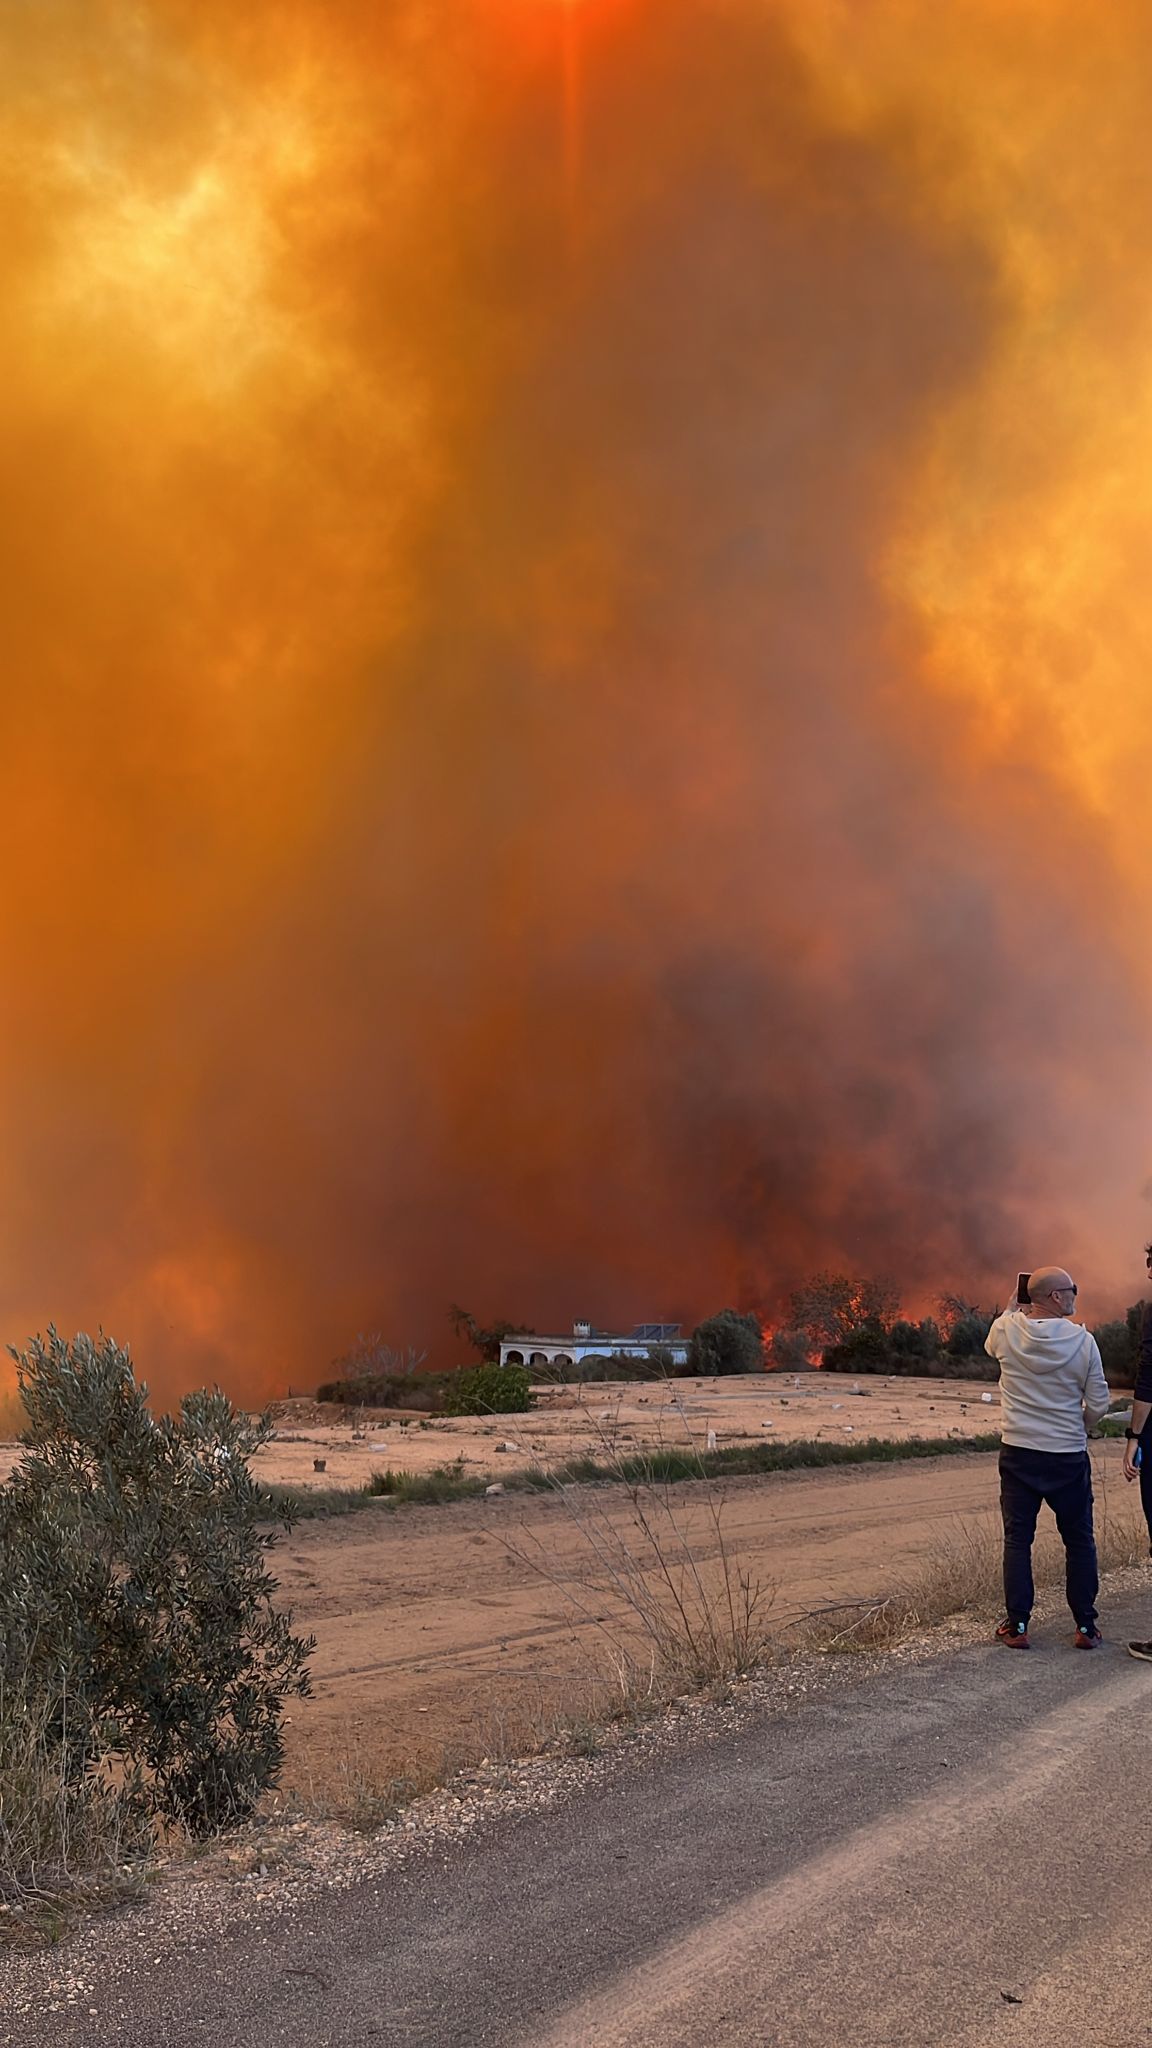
column 135, row 1602
column 489, row 1390
column 789, row 1351
column 966, row 1337
column 443, row 1482
column 1119, row 1347
column 915, row 1340
column 865, row 1349
column 726, row 1343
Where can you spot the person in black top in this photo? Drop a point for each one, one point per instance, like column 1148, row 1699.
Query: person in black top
column 1139, row 1434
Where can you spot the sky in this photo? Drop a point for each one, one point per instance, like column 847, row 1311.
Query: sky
column 574, row 726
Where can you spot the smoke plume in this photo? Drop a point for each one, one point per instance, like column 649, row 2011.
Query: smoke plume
column 574, row 725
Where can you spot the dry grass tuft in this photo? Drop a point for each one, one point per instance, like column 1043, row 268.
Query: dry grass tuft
column 66, row 1844
column 352, row 1790
column 673, row 1606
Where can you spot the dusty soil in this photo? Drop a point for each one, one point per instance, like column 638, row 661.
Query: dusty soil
column 436, row 1640
column 568, row 1421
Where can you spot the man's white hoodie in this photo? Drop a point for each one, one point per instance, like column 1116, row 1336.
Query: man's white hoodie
column 1052, row 1385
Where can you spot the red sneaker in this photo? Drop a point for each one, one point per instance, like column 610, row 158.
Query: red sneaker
column 1087, row 1639
column 1013, row 1635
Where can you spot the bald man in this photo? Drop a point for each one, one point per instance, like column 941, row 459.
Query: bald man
column 1052, row 1392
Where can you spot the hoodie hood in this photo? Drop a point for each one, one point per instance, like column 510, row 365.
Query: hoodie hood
column 1041, row 1343
column 1051, row 1380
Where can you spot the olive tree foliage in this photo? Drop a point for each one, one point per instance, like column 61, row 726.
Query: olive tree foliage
column 136, row 1603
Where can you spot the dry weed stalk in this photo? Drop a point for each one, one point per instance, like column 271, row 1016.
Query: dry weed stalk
column 65, row 1841
column 672, row 1602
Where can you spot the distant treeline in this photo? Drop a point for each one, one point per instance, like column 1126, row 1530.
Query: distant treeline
column 835, row 1321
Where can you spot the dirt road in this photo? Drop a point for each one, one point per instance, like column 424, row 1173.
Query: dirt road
column 433, row 1637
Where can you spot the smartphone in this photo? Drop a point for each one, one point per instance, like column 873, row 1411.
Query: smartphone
column 1022, row 1295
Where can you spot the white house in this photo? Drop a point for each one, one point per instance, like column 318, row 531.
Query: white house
column 540, row 1354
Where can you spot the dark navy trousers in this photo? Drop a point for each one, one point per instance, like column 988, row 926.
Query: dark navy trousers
column 1061, row 1480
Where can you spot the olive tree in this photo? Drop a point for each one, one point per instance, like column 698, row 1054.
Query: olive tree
column 136, row 1602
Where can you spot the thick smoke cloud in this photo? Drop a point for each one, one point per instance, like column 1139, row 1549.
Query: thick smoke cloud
column 544, row 761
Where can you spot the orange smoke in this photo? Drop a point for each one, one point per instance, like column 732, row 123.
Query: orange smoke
column 566, row 770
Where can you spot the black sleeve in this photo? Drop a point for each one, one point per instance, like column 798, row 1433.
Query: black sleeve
column 1143, row 1387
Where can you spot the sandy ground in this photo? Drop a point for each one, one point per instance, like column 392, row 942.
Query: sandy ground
column 438, row 1637
column 570, row 1420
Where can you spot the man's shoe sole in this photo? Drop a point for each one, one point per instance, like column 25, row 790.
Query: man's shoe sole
column 1080, row 1642
column 1141, row 1650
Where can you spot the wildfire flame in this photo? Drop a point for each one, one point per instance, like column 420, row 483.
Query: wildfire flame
column 542, row 766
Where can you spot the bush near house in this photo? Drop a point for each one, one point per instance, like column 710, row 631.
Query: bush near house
column 489, row 1390
column 726, row 1343
column 656, row 1363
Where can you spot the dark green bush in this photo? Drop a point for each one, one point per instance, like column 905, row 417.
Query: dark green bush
column 915, row 1340
column 135, row 1599
column 966, row 1337
column 866, row 1349
column 789, row 1351
column 489, row 1390
column 1119, row 1346
column 726, row 1343
column 909, row 1351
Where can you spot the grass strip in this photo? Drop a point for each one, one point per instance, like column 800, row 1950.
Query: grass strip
column 660, row 1467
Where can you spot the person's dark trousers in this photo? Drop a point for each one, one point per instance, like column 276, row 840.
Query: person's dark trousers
column 1063, row 1481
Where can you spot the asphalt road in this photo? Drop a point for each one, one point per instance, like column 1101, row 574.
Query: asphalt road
column 952, row 1852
